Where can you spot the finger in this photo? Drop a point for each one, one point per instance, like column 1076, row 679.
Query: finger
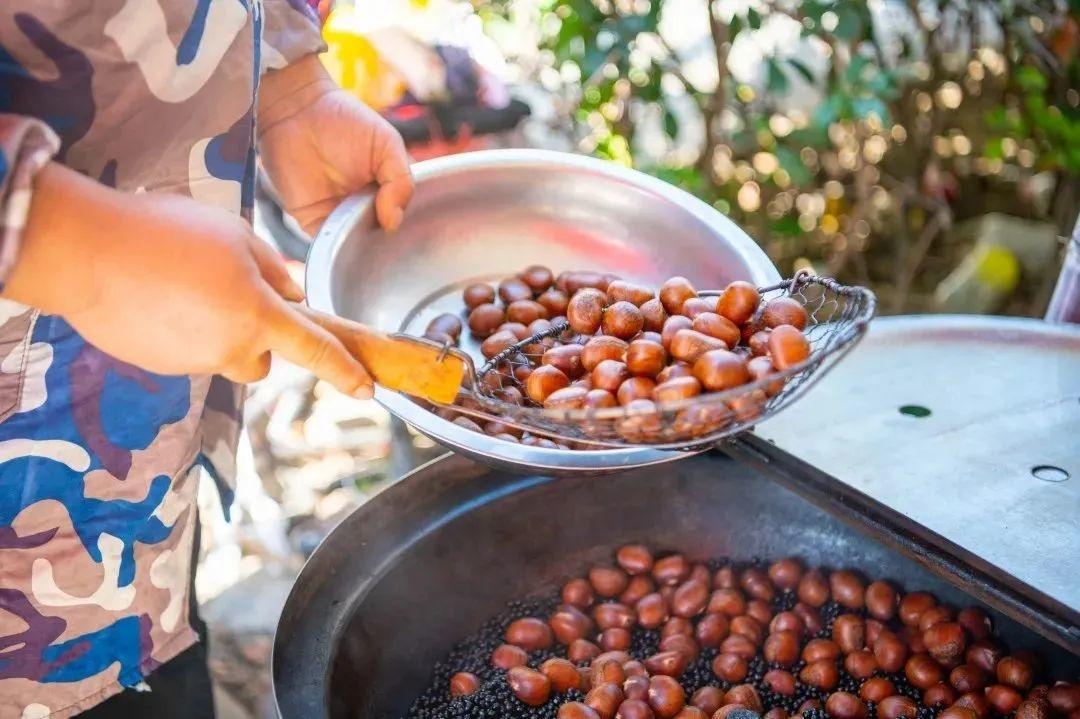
column 273, row 269
column 302, row 342
column 252, row 371
column 395, row 180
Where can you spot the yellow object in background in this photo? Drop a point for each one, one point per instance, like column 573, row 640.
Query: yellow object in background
column 354, row 62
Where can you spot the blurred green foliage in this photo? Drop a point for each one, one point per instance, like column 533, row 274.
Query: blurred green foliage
column 938, row 112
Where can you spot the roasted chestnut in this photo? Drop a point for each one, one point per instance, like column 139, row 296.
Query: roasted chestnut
column 675, row 292
column 543, row 381
column 653, row 315
column 463, row 683
column 586, row 310
column 738, row 302
column 622, row 320
column 715, row 325
column 485, row 319
column 719, row 369
column 645, row 358
column 784, row 311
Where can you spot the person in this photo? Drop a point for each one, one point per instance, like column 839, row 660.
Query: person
column 135, row 300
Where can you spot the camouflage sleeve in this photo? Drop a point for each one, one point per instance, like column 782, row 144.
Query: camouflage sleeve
column 290, row 31
column 26, row 145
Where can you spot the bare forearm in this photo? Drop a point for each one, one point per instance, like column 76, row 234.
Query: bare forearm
column 285, row 92
column 68, row 219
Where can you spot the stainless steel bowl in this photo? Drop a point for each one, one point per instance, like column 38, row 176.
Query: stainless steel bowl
column 484, row 215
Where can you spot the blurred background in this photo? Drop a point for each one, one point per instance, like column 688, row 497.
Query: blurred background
column 929, row 149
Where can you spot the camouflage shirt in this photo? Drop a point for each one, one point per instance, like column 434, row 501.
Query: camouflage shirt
column 98, row 458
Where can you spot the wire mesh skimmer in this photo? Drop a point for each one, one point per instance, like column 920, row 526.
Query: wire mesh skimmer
column 838, row 316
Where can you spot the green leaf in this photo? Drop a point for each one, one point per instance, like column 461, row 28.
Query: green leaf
column 788, row 225
column 849, row 25
column 793, row 165
column 829, row 111
column 802, row 69
column 863, row 107
column 777, row 81
column 735, row 26
column 1030, row 79
column 753, row 18
column 671, row 123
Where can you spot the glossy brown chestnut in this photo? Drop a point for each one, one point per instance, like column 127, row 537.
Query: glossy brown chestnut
column 821, row 674
column 860, row 664
column 782, row 648
column 463, row 684
column 652, row 610
column 585, row 310
column 922, row 671
column 784, row 573
column 674, row 292
column 680, row 643
column 849, row 632
column 605, row 700
column 748, row 627
column 711, row 630
column 896, row 706
column 530, row 634
column 817, row 650
column 877, row 689
column 562, row 675
column 890, row 651
column 543, row 381
column 615, row 638
column 613, row 615
column 691, row 598
column 714, row 325
column 913, row 605
column 780, row 681
column 874, row 628
column 578, row 592
column 670, row 663
column 975, row 622
column 634, row 709
column 622, row 320
column 738, row 302
column 666, row 696
column 691, row 713
column 635, row 559
column 720, row 369
column 934, row 615
column 728, row 601
column 744, row 694
column 811, row 618
column 1014, row 672
column 607, row 669
column 708, row 699
column 760, row 611
column 478, row 294
column 671, row 570
column 881, row 600
column 485, row 318
column 939, row 695
column 601, row 348
column 847, row 587
column 784, row 311
column 645, row 358
column 570, row 623
column 696, row 306
column 537, row 277
column 843, row 705
column 945, row 642
column 623, row 291
column 554, row 301
column 582, row 650
column 676, row 390
column 1064, row 697
column 638, row 586
column 577, row 710
column 1003, row 699
column 968, row 678
column 636, row 687
column 608, row 581
column 529, row 685
column 787, row 621
column 653, row 315
column 507, row 656
column 739, row 646
column 565, row 358
column 1033, row 709
column 976, row 702
column 730, row 667
column 984, row 654
column 955, row 712
column 632, row 388
column 813, row 588
column 672, row 326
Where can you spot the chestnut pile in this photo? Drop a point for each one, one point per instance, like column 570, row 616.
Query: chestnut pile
column 662, row 637
column 629, row 345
